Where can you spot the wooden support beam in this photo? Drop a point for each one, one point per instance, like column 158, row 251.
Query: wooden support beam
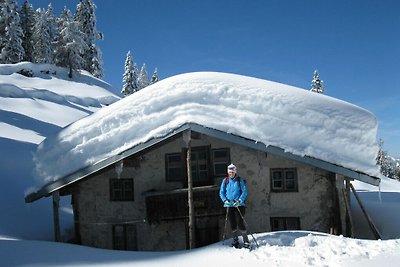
column 56, row 218
column 192, row 233
column 350, row 227
column 340, row 179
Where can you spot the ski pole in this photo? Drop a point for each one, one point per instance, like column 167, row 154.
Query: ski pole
column 247, row 226
column 226, row 219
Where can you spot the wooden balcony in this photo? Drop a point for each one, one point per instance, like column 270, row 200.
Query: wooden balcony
column 173, row 205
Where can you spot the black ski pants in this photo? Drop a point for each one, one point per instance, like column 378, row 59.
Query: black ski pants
column 235, row 219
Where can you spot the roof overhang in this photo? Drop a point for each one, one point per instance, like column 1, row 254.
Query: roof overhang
column 49, row 188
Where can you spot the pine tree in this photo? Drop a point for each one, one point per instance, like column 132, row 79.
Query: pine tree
column 86, row 19
column 129, row 77
column 70, row 44
column 154, row 77
column 143, row 80
column 59, row 51
column 2, row 26
column 317, row 85
column 27, row 16
column 383, row 160
column 42, row 52
column 53, row 30
column 12, row 50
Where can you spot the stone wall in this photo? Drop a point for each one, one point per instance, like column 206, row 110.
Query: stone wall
column 313, row 203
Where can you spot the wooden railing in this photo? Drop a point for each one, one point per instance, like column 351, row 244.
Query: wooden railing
column 173, row 205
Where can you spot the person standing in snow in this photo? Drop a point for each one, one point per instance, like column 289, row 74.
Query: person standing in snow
column 233, row 193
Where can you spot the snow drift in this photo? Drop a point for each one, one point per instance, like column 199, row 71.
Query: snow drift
column 296, row 120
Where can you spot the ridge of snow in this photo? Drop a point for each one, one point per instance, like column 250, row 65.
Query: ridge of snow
column 17, row 80
column 30, row 95
column 299, row 121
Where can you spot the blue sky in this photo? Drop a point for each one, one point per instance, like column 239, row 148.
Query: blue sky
column 355, row 45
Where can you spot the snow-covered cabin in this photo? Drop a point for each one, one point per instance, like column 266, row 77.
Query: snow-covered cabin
column 126, row 171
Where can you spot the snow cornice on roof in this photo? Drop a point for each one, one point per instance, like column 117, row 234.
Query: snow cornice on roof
column 87, row 171
column 304, row 124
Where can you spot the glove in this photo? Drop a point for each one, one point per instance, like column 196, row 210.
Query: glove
column 236, row 203
column 227, row 202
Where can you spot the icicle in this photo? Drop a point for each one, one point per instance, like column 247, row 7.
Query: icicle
column 119, row 167
column 379, row 194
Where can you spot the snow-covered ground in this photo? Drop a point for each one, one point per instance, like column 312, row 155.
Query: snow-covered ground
column 37, row 107
column 299, row 248
column 32, row 108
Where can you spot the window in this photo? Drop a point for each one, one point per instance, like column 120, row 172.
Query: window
column 202, row 166
column 121, row 190
column 221, row 160
column 174, row 167
column 124, row 237
column 284, row 180
column 285, row 223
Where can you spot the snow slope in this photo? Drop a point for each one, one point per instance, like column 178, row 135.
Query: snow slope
column 32, row 108
column 299, row 121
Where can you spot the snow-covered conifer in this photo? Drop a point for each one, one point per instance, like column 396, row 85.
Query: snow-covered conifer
column 86, row 20
column 27, row 16
column 143, row 80
column 386, row 163
column 129, row 77
column 53, row 32
column 42, row 52
column 70, row 44
column 2, row 25
column 317, row 85
column 12, row 50
column 154, row 77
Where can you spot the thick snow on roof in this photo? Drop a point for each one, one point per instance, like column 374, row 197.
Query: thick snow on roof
column 296, row 120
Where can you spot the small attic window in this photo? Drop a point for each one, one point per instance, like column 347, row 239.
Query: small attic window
column 174, row 167
column 121, row 189
column 221, row 160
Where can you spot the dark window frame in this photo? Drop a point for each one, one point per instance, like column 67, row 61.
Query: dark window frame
column 126, row 186
column 126, row 242
column 221, row 162
column 182, row 173
column 284, row 223
column 119, row 244
column 196, row 170
column 168, row 174
column 288, row 184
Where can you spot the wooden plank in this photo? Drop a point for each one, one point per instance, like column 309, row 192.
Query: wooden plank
column 56, row 218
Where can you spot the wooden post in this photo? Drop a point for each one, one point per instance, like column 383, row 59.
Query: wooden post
column 350, row 225
column 192, row 233
column 342, row 207
column 56, row 205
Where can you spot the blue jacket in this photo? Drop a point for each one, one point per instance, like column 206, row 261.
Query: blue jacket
column 233, row 190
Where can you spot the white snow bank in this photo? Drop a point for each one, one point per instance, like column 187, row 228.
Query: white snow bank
column 299, row 121
column 27, row 79
column 276, row 249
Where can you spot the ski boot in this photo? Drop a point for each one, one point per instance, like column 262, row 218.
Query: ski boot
column 235, row 242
